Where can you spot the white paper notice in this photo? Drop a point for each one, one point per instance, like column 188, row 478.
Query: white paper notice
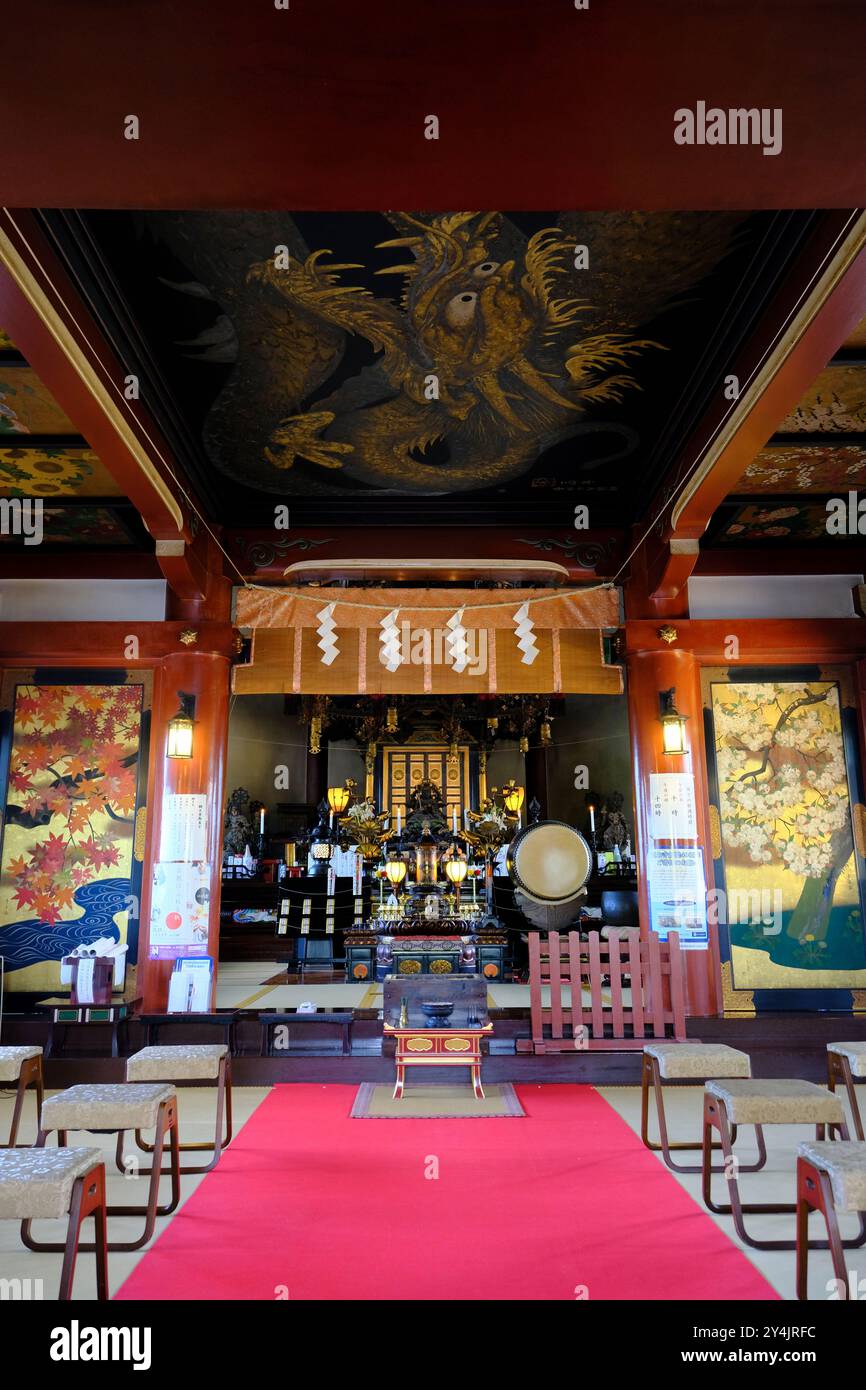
column 84, row 981
column 677, row 894
column 672, row 813
column 184, row 827
column 189, row 989
column 179, row 910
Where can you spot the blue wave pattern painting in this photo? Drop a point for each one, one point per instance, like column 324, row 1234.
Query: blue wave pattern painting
column 32, row 942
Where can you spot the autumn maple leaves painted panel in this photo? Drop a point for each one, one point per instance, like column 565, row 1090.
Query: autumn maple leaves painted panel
column 72, row 789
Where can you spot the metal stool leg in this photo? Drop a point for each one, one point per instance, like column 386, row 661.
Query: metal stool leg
column 815, row 1193
column 88, row 1199
column 839, row 1069
column 166, row 1126
column 30, row 1074
column 223, row 1105
column 716, row 1117
column 652, row 1074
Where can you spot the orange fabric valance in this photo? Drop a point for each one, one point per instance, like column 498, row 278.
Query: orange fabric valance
column 288, row 661
column 259, row 606
column 287, row 652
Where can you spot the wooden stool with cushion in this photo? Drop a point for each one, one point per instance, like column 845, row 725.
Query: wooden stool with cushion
column 783, row 1102
column 23, row 1067
column 102, row 1109
column 830, row 1178
column 52, row 1183
column 846, row 1062
column 689, row 1061
column 197, row 1062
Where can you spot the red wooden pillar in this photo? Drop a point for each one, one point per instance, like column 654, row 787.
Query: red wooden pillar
column 206, row 675
column 650, row 672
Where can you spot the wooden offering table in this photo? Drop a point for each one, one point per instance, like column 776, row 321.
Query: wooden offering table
column 438, row 1047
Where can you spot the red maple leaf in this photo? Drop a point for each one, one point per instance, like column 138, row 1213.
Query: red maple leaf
column 26, row 709
column 54, row 852
column 46, row 909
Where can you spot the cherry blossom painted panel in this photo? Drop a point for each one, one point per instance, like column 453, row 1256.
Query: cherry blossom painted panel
column 789, row 840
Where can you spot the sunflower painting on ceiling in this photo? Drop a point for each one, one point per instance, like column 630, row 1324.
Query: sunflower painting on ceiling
column 783, row 765
column 54, row 473
column 70, row 760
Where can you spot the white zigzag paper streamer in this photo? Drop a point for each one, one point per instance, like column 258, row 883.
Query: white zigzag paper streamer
column 525, row 629
column 389, row 649
column 326, row 629
column 457, row 642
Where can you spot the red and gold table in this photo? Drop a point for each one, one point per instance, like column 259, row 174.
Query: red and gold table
column 438, row 1047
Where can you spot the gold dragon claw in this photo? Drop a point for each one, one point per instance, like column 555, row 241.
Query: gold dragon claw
column 297, row 437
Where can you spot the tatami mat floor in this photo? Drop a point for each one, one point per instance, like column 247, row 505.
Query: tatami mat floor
column 196, row 1116
column 258, row 985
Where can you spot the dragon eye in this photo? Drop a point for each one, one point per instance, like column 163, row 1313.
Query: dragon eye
column 486, row 268
column 461, row 308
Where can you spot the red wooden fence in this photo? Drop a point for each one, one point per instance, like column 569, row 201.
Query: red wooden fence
column 642, row 997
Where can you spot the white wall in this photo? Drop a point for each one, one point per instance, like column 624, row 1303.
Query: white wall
column 81, row 600
column 773, row 596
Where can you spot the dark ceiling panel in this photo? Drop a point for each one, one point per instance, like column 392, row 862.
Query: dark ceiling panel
column 518, row 366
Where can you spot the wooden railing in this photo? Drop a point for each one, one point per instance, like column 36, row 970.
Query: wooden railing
column 635, row 990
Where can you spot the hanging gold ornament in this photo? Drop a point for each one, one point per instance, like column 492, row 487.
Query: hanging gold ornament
column 391, row 719
column 523, row 745
column 315, row 734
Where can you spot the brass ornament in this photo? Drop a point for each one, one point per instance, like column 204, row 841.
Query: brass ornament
column 315, row 734
column 667, row 633
column 188, row 637
column 139, row 834
column 440, row 967
column 740, row 1002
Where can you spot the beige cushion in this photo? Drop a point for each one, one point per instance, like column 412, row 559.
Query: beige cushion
column 105, row 1107
column 200, row 1062
column 855, row 1052
column 699, row 1060
column 845, row 1161
column 38, row 1182
column 11, row 1059
column 777, row 1102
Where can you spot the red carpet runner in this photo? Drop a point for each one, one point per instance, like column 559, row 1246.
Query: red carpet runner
column 308, row 1204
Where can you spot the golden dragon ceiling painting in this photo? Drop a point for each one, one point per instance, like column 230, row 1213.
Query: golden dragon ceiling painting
column 484, row 358
column 346, row 355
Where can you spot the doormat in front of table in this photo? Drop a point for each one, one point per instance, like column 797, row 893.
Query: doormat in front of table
column 436, row 1102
